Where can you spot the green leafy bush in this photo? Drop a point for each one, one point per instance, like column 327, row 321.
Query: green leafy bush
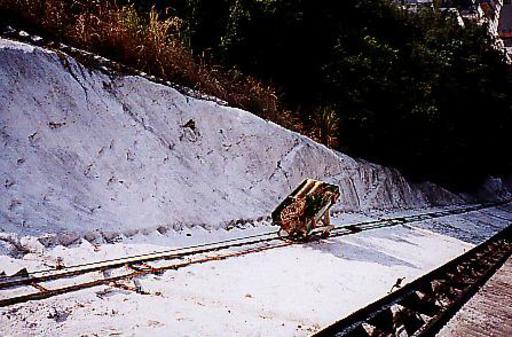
column 415, row 91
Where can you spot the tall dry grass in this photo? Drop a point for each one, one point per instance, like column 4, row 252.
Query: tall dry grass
column 326, row 126
column 154, row 45
column 145, row 41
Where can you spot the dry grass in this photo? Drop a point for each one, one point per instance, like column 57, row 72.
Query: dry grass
column 326, row 126
column 154, row 45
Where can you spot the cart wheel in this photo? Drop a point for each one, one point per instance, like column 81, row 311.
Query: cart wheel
column 327, row 232
column 282, row 234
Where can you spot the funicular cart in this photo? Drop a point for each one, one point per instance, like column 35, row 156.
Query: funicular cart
column 306, row 211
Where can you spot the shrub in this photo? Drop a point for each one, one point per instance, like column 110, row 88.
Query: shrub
column 411, row 90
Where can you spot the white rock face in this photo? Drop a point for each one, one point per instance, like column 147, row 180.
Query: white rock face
column 82, row 151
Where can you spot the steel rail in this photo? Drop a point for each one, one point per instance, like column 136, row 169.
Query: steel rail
column 37, row 277
column 8, row 282
column 47, row 293
column 51, row 274
column 121, row 260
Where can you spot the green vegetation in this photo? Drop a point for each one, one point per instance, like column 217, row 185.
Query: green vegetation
column 415, row 91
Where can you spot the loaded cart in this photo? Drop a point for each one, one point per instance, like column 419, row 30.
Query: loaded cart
column 306, row 210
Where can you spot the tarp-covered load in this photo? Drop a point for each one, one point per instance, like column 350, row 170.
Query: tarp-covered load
column 306, row 209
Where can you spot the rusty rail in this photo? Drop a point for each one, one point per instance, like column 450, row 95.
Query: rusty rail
column 254, row 243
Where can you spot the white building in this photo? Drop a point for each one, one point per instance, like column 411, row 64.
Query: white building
column 414, row 5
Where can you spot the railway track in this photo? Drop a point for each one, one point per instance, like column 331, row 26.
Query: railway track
column 424, row 306
column 27, row 286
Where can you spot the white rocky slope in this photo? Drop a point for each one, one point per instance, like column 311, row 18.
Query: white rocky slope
column 82, row 151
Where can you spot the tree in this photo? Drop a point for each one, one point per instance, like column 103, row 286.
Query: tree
column 415, row 91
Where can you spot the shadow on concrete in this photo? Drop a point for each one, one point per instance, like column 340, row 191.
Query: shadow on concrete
column 355, row 252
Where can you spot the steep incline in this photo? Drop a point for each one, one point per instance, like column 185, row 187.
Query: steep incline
column 83, row 151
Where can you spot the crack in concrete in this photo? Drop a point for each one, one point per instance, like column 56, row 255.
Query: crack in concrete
column 166, row 144
column 279, row 165
column 68, row 67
